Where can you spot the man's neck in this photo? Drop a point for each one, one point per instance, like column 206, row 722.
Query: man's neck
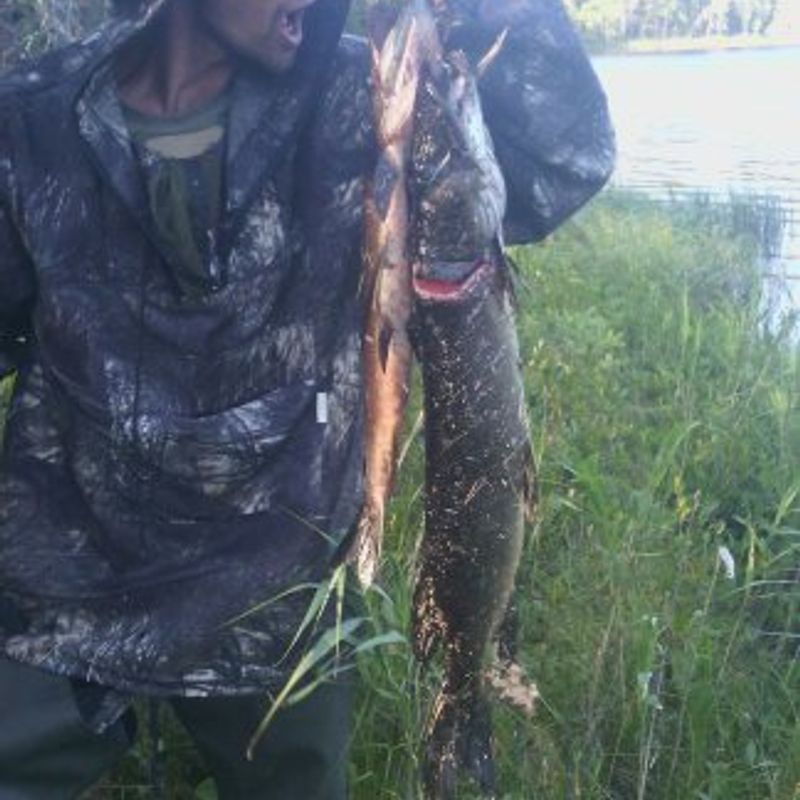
column 175, row 67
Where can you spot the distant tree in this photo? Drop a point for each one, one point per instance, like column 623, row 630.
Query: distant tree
column 610, row 21
column 732, row 17
column 786, row 18
column 758, row 14
column 733, row 20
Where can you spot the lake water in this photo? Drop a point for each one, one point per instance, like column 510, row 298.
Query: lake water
column 715, row 123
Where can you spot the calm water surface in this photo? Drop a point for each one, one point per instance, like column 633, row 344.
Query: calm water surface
column 711, row 122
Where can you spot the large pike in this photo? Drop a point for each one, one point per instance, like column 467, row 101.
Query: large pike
column 478, row 459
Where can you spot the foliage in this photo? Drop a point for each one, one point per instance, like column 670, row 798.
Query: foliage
column 610, row 21
column 666, row 417
column 667, row 424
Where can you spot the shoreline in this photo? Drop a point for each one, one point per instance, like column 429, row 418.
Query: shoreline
column 699, row 44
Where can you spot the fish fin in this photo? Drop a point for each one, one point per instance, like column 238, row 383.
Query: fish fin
column 491, row 54
column 458, row 742
column 510, row 683
column 375, row 55
column 384, row 343
column 366, row 548
column 508, row 272
column 506, row 678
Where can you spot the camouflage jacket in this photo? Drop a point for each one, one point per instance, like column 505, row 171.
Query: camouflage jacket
column 170, row 460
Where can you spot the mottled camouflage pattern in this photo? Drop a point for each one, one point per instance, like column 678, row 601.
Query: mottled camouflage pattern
column 164, row 468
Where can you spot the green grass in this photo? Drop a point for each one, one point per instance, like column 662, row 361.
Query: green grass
column 666, row 421
column 665, row 416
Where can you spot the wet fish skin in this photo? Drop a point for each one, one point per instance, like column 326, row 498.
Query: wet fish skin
column 387, row 352
column 478, row 477
column 478, row 457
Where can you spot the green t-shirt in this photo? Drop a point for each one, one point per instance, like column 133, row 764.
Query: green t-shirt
column 183, row 159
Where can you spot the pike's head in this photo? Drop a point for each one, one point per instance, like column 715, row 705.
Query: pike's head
column 457, row 189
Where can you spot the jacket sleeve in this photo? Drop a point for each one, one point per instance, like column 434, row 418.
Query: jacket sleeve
column 16, row 275
column 545, row 109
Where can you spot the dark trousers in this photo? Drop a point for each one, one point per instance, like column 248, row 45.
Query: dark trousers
column 48, row 752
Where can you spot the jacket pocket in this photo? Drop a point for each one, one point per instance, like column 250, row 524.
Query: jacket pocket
column 213, row 451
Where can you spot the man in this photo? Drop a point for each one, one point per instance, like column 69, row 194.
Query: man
column 180, row 231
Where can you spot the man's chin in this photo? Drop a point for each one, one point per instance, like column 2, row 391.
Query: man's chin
column 277, row 63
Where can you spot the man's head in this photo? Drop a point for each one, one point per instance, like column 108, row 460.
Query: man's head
column 266, row 31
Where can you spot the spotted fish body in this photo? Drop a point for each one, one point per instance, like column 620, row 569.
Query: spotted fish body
column 435, row 266
column 478, row 458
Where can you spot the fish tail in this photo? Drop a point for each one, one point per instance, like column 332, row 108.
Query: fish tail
column 458, row 742
column 384, row 343
column 366, row 549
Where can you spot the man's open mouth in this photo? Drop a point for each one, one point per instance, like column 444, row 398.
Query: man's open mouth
column 291, row 25
column 450, row 282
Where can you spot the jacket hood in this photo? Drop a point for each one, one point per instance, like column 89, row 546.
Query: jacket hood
column 324, row 25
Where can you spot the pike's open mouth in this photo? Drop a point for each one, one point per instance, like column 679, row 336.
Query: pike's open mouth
column 450, row 282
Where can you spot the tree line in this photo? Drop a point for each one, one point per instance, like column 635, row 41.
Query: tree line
column 614, row 21
column 27, row 26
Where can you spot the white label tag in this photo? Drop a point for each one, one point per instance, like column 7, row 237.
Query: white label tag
column 322, row 408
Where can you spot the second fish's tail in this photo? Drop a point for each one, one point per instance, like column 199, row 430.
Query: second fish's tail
column 458, row 744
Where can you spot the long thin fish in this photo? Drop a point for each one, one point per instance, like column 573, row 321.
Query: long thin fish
column 387, row 353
